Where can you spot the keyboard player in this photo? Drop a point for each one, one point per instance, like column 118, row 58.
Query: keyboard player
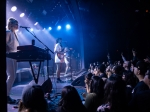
column 11, row 64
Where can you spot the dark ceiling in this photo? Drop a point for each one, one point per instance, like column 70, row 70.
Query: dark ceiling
column 109, row 24
column 103, row 15
column 46, row 12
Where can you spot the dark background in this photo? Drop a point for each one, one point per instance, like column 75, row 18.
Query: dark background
column 117, row 27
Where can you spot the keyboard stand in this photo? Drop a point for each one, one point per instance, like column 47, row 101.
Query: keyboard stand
column 35, row 78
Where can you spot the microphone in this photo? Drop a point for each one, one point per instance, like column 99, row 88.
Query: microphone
column 24, row 27
column 64, row 41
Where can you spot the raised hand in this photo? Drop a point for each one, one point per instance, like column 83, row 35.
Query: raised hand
column 108, row 55
column 122, row 54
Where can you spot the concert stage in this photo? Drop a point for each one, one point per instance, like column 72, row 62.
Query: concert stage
column 26, row 79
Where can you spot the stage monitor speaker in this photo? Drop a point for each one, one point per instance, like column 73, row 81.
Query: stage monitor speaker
column 47, row 86
column 79, row 81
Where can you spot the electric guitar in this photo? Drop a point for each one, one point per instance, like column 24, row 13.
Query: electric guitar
column 61, row 56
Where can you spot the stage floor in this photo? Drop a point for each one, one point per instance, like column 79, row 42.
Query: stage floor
column 16, row 91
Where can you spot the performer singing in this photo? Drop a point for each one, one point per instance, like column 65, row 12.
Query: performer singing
column 11, row 64
column 67, row 60
column 59, row 58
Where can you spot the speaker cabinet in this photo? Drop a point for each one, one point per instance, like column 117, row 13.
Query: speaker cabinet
column 79, row 81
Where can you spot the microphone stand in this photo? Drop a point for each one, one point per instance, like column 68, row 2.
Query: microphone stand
column 47, row 51
column 40, row 41
column 71, row 65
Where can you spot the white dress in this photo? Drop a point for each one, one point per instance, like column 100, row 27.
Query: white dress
column 11, row 64
column 58, row 48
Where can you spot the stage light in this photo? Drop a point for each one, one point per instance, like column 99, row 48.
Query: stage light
column 14, row 8
column 59, row 27
column 68, row 26
column 31, row 29
column 50, row 28
column 22, row 15
column 36, row 23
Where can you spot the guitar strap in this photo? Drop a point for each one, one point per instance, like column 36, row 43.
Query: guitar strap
column 61, row 47
column 60, row 44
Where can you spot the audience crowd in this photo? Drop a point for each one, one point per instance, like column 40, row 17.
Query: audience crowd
column 110, row 87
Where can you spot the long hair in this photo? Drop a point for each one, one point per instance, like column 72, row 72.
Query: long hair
column 118, row 70
column 115, row 94
column 88, row 76
column 10, row 22
column 70, row 100
column 33, row 99
column 129, row 78
column 97, row 86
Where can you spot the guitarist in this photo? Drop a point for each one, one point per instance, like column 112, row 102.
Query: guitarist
column 59, row 58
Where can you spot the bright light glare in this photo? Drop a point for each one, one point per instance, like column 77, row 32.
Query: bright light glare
column 68, row 26
column 22, row 14
column 50, row 28
column 36, row 23
column 31, row 29
column 59, row 27
column 14, row 8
